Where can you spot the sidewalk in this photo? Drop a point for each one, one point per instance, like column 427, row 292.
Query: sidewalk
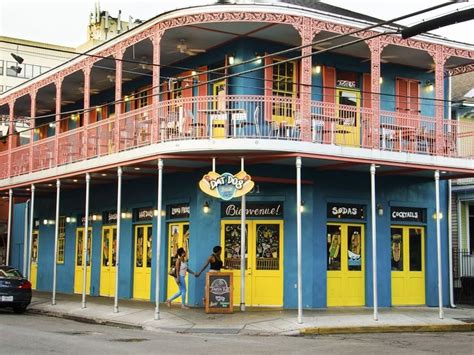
column 255, row 321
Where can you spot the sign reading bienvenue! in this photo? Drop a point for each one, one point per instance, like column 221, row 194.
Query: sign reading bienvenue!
column 226, row 186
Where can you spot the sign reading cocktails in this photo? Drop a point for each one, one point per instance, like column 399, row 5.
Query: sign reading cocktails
column 226, row 186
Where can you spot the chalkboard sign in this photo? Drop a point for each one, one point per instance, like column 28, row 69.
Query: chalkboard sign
column 219, row 292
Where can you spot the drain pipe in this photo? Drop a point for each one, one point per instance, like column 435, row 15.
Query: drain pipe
column 450, row 246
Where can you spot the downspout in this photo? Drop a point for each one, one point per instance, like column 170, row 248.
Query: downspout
column 450, row 228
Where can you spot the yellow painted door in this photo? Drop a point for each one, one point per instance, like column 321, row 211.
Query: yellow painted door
column 345, row 265
column 79, row 265
column 408, row 265
column 347, row 127
column 34, row 260
column 108, row 261
column 142, row 265
column 263, row 261
column 178, row 237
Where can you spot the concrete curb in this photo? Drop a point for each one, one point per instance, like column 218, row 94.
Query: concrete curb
column 88, row 320
column 468, row 327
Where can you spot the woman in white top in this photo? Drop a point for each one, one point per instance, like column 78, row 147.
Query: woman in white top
column 181, row 268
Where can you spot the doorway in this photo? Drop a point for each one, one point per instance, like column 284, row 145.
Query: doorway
column 347, row 129
column 108, row 261
column 142, row 266
column 178, row 237
column 345, row 265
column 263, row 261
column 408, row 265
column 34, row 259
column 79, row 265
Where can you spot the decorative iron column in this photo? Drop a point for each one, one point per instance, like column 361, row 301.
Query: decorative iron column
column 376, row 46
column 57, row 126
column 32, row 124
column 307, row 32
column 25, row 240
column 438, row 246
column 243, row 231
column 156, row 41
column 118, row 94
column 87, row 99
column 9, row 226
column 11, row 127
column 439, row 59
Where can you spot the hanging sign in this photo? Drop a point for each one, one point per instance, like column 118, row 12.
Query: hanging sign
column 177, row 211
column 226, row 186
column 408, row 214
column 109, row 217
column 143, row 214
column 252, row 209
column 345, row 211
column 81, row 220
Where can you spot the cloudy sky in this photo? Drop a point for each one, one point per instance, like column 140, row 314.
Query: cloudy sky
column 65, row 22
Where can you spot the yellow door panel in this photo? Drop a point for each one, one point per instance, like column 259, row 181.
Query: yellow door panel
column 408, row 260
column 347, row 127
column 79, row 262
column 345, row 268
column 108, row 261
column 178, row 237
column 264, row 260
column 34, row 260
column 142, row 264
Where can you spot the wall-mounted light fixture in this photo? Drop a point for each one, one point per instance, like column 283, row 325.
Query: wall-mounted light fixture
column 429, row 85
column 317, row 69
column 380, row 80
column 440, row 216
column 379, row 209
column 231, row 59
column 258, row 58
column 74, row 117
column 205, row 207
column 126, row 215
column 71, row 220
column 96, row 217
column 302, row 208
column 45, row 222
column 52, row 124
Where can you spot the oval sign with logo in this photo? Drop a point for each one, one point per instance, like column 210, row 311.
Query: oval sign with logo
column 226, row 186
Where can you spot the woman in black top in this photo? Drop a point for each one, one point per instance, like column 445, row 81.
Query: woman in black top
column 213, row 260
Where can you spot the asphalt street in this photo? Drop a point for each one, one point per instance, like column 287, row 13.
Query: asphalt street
column 37, row 334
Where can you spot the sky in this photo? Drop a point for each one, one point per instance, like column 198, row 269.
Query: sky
column 64, row 22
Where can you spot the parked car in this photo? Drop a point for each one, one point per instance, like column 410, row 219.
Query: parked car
column 15, row 290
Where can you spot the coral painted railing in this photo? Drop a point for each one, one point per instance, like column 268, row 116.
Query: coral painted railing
column 234, row 117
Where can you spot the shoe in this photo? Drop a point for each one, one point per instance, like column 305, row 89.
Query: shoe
column 168, row 303
column 184, row 307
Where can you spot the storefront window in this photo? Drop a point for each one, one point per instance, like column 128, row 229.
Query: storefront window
column 268, row 246
column 149, row 247
column 105, row 248
column 114, row 247
column 397, row 249
column 415, row 249
column 139, row 248
column 61, row 239
column 334, row 247
column 232, row 246
column 79, row 248
column 354, row 248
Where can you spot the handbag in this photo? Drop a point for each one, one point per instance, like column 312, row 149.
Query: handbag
column 172, row 271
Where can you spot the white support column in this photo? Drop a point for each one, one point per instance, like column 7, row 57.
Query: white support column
column 117, row 251
column 25, row 241
column 56, row 231
column 85, row 236
column 374, row 239
column 242, row 247
column 9, row 226
column 158, row 240
column 438, row 244
column 32, row 211
column 298, row 240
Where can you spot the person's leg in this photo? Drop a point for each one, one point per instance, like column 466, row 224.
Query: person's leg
column 182, row 289
column 177, row 294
